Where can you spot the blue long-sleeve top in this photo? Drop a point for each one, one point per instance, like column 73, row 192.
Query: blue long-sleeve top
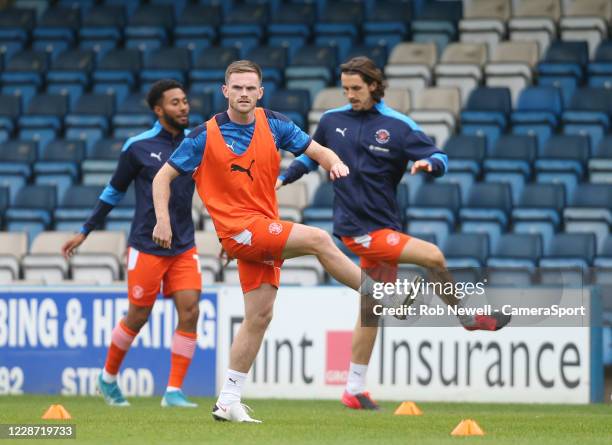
column 377, row 146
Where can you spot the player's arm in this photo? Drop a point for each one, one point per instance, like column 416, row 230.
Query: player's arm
column 185, row 159
column 291, row 138
column 302, row 165
column 423, row 151
column 327, row 159
column 162, row 232
column 127, row 169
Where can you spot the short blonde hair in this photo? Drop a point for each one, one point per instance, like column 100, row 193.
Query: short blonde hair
column 242, row 66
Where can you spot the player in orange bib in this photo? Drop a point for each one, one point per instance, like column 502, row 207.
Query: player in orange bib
column 235, row 161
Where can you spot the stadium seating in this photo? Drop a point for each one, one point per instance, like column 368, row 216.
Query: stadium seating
column 516, row 91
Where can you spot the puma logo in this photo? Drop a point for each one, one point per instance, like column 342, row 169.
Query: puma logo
column 238, row 168
column 157, row 156
column 233, row 381
column 341, row 131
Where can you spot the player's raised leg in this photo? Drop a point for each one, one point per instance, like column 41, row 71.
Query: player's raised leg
column 258, row 309
column 306, row 240
column 428, row 255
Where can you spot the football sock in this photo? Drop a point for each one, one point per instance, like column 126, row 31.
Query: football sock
column 183, row 347
column 121, row 340
column 232, row 387
column 356, row 378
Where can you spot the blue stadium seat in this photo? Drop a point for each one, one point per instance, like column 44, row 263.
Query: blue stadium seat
column 56, row 30
column 70, row 73
column 10, row 109
column 31, row 210
column 563, row 160
column 514, row 260
column 16, row 24
column 164, row 63
column 589, row 113
column 387, row 25
column 243, row 27
column 133, row 116
column 321, row 207
column 101, row 161
column 486, row 113
column 487, row 211
column 43, row 119
column 434, row 210
column 5, row 200
column 313, row 68
column 378, row 53
column 563, row 66
column 600, row 69
column 510, row 162
column 437, row 22
column 23, row 75
column 466, row 254
column 16, row 161
column 512, row 154
column 272, row 61
column 538, row 112
column 602, row 270
column 466, row 153
column 291, row 26
column 338, row 26
column 590, row 210
column 90, row 118
column 76, row 206
column 464, row 180
column 196, row 27
column 148, row 27
column 102, row 29
column 567, row 259
column 600, row 166
column 208, row 73
column 201, row 106
column 116, row 73
column 59, row 165
column 293, row 103
column 539, row 210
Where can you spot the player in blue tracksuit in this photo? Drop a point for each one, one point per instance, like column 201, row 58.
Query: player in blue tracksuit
column 377, row 143
column 150, row 265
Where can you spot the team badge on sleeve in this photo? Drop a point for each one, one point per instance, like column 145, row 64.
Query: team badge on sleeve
column 382, row 136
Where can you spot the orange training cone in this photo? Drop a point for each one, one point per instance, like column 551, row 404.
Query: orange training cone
column 56, row 412
column 467, row 427
column 408, row 409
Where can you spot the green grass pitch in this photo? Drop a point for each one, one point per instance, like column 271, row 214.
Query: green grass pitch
column 315, row 422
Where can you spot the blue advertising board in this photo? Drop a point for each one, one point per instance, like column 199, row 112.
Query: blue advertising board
column 55, row 342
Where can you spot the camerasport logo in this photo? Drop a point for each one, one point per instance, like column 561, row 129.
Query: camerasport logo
column 338, row 357
column 275, row 228
column 393, row 239
column 382, row 136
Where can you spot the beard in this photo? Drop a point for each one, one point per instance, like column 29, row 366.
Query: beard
column 175, row 124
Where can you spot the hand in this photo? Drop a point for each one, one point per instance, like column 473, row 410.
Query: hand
column 420, row 166
column 278, row 185
column 225, row 258
column 162, row 234
column 338, row 170
column 69, row 247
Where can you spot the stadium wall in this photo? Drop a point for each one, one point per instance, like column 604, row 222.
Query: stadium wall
column 54, row 341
